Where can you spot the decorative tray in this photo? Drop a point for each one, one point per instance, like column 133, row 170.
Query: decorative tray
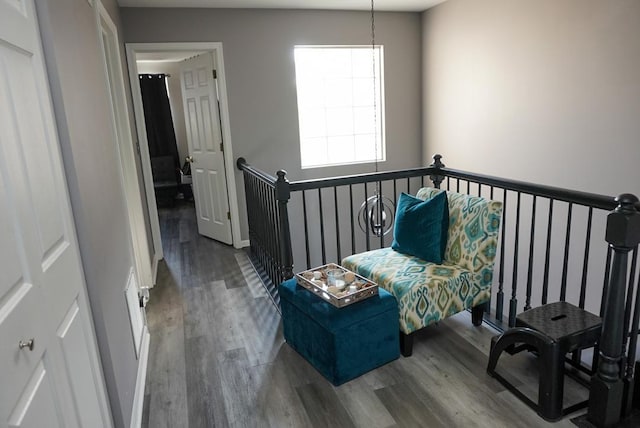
column 337, row 285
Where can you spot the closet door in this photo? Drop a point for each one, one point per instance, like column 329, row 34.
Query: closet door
column 48, row 354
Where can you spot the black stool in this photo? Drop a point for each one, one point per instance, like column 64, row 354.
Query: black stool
column 552, row 330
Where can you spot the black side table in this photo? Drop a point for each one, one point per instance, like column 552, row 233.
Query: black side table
column 553, row 330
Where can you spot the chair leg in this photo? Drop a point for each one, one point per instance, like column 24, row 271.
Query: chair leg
column 406, row 344
column 477, row 314
column 551, row 383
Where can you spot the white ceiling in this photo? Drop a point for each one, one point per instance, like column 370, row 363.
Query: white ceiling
column 381, row 5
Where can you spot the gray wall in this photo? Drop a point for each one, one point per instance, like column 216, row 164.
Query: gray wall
column 545, row 91
column 82, row 110
column 258, row 54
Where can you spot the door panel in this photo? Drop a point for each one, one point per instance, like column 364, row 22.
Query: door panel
column 29, row 128
column 215, row 187
column 37, row 405
column 194, row 125
column 71, row 338
column 208, row 131
column 204, row 137
column 202, row 192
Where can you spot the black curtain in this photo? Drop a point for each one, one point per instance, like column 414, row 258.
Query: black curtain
column 157, row 116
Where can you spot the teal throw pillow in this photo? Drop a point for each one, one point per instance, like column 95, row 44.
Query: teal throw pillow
column 421, row 227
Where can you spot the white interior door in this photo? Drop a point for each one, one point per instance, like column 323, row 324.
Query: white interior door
column 204, row 138
column 48, row 354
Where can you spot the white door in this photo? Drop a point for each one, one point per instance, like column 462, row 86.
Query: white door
column 202, row 116
column 49, row 370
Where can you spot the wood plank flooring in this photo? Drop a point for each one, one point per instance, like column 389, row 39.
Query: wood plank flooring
column 218, row 358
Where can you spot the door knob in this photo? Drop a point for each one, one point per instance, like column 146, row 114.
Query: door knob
column 26, row 344
column 189, row 159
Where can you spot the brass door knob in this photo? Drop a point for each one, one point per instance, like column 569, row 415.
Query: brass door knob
column 189, row 159
column 26, row 344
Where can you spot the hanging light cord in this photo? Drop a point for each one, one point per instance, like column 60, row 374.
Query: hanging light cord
column 375, row 97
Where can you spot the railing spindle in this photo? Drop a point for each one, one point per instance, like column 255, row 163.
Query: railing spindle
column 306, row 228
column 366, row 223
column 585, row 262
column 527, row 304
column 353, row 231
column 513, row 303
column 381, row 214
column 629, row 300
column 321, row 213
column 335, row 202
column 500, row 295
column 545, row 280
column 631, row 358
column 395, row 193
column 563, row 287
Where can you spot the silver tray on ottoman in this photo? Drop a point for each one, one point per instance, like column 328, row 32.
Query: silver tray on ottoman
column 315, row 280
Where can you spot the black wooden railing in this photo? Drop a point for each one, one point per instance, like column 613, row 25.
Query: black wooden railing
column 551, row 247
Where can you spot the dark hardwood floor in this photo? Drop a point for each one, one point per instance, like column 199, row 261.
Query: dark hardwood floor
column 218, row 359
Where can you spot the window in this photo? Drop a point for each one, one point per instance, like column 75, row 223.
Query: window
column 340, row 104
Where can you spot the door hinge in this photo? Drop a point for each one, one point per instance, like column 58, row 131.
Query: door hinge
column 221, row 147
column 215, row 74
column 228, row 215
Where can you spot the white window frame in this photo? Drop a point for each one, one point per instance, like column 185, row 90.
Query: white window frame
column 379, row 111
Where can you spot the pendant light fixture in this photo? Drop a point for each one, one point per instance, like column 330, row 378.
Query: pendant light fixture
column 376, row 214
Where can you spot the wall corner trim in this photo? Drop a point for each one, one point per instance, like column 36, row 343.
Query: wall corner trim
column 141, row 378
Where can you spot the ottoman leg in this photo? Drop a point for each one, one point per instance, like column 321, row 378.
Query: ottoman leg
column 406, row 344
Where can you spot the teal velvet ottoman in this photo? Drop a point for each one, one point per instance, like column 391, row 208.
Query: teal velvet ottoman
column 341, row 343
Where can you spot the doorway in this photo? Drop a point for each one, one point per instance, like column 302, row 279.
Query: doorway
column 169, row 56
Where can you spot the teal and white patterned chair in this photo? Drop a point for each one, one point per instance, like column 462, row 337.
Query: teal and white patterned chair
column 427, row 292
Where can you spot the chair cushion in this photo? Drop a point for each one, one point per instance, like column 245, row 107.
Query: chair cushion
column 473, row 232
column 426, row 292
column 421, row 227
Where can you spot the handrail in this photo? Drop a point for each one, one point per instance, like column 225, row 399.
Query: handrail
column 574, row 196
column 345, row 180
column 595, row 200
column 242, row 164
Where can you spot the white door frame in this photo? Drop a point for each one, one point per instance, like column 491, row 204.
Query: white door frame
column 125, row 146
column 216, row 49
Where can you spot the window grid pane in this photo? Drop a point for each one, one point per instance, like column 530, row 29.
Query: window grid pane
column 337, row 119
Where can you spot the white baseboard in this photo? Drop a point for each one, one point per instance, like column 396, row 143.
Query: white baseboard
column 154, row 269
column 244, row 243
column 141, row 378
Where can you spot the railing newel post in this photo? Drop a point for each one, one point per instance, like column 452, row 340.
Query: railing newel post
column 437, row 178
column 240, row 162
column 283, row 194
column 607, row 387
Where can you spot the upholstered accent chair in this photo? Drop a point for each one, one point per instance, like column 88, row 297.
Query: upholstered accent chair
column 427, row 292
